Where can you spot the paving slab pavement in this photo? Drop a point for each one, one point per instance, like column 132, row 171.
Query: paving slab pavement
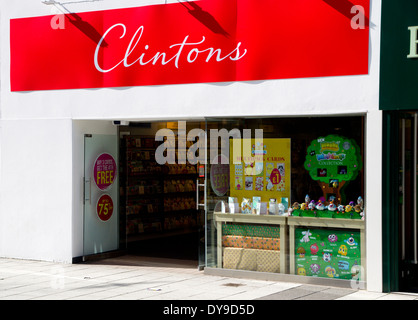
column 134, row 278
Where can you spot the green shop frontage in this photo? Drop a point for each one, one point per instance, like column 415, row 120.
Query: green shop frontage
column 399, row 103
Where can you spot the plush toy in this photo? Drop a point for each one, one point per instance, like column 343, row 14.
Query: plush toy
column 311, row 205
column 332, row 206
column 349, row 206
column 360, row 202
column 320, row 206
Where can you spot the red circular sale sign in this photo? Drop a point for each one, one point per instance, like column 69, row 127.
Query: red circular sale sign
column 104, row 171
column 275, row 176
column 104, row 207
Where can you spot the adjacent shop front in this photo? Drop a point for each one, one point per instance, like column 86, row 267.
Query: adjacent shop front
column 398, row 100
column 208, row 141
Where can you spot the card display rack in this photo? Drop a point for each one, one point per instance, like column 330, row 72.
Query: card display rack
column 156, row 200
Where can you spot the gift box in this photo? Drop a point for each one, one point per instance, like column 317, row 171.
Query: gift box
column 251, row 242
column 268, row 261
column 251, row 259
column 237, row 242
column 265, row 243
column 239, row 258
column 251, row 230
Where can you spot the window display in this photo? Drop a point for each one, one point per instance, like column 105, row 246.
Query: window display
column 303, row 186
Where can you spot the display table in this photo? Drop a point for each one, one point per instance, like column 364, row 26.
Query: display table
column 252, row 220
column 330, row 224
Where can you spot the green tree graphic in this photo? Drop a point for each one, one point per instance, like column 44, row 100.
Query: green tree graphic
column 333, row 161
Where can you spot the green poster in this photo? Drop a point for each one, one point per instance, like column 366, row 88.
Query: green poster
column 333, row 158
column 327, row 253
column 333, row 161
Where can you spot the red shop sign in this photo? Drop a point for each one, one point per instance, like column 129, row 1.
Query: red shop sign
column 191, row 42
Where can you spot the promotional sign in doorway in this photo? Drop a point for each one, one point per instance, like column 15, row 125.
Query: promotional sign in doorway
column 191, row 42
column 104, row 207
column 104, row 171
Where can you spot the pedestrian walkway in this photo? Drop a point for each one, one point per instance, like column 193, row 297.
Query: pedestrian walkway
column 134, row 278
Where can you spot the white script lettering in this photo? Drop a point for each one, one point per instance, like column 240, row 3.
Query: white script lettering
column 176, row 52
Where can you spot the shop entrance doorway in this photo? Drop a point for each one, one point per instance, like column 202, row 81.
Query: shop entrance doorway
column 161, row 192
column 408, row 227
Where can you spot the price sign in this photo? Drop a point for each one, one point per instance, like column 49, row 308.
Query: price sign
column 104, row 207
column 275, row 176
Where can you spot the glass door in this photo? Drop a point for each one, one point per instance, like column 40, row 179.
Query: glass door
column 101, row 209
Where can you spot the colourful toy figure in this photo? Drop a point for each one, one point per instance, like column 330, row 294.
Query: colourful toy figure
column 320, row 206
column 332, row 238
column 311, row 205
column 332, row 206
column 330, row 272
column 301, row 252
column 303, row 206
column 351, row 242
column 348, row 208
column 326, row 256
column 314, row 249
column 315, row 268
column 306, row 235
column 342, row 250
column 360, row 202
column 295, row 206
column 340, row 208
column 307, row 199
column 301, row 271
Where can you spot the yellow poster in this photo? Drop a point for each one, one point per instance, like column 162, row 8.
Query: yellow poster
column 261, row 170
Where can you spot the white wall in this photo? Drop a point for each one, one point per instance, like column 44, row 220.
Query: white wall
column 35, row 190
column 373, row 201
column 41, row 190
